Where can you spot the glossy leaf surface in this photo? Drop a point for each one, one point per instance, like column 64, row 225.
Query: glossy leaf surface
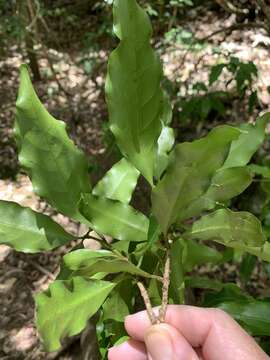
column 57, row 168
column 26, row 230
column 119, row 182
column 248, row 142
column 165, row 144
column 225, row 184
column 239, row 230
column 110, row 217
column 188, row 175
column 64, row 309
column 86, row 262
column 133, row 92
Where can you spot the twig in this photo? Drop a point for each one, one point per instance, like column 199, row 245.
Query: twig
column 41, row 269
column 165, row 290
column 147, row 303
column 228, row 6
column 34, row 16
column 60, row 86
column 266, row 10
column 233, row 28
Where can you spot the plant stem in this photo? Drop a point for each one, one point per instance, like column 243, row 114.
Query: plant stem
column 165, row 289
column 147, row 302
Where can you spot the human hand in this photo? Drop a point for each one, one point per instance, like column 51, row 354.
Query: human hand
column 190, row 333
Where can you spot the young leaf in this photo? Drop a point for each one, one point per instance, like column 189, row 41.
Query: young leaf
column 133, row 92
column 188, row 175
column 239, row 230
column 58, row 170
column 26, row 230
column 63, row 310
column 248, row 143
column 110, row 217
column 86, row 262
column 225, row 184
column 118, row 183
column 165, row 145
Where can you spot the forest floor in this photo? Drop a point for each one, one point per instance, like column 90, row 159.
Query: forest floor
column 79, row 100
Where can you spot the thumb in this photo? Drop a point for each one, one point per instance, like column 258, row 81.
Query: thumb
column 164, row 342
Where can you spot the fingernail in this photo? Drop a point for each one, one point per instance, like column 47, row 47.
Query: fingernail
column 159, row 344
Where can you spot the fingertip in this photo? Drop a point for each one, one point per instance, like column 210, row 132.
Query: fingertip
column 137, row 324
column 131, row 349
column 165, row 342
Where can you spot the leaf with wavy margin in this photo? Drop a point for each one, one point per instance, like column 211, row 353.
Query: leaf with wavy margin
column 113, row 218
column 238, row 230
column 188, row 176
column 29, row 231
column 135, row 99
column 64, row 309
column 57, row 168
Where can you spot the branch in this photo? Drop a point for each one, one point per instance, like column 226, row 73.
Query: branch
column 165, row 290
column 266, row 10
column 147, row 303
column 230, row 29
column 228, row 6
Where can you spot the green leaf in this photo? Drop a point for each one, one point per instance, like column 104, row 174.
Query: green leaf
column 166, row 116
column 239, row 230
column 247, row 266
column 58, row 170
column 191, row 167
column 115, row 308
column 86, row 262
column 264, row 171
column 215, row 73
column 225, row 184
column 118, row 304
column 118, row 183
column 253, row 101
column 26, row 230
column 113, row 218
column 253, row 314
column 134, row 97
column 63, row 310
column 198, row 254
column 165, row 144
column 202, row 282
column 248, row 143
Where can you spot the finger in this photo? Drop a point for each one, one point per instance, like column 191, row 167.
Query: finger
column 131, row 349
column 211, row 329
column 165, row 342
